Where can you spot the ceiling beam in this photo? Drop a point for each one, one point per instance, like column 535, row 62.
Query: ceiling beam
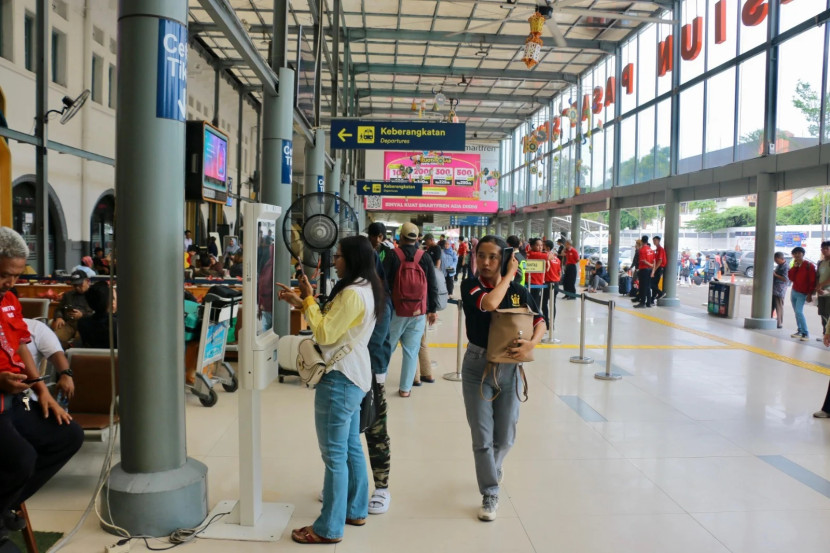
column 472, row 38
column 470, row 73
column 501, row 116
column 449, row 37
column 451, row 92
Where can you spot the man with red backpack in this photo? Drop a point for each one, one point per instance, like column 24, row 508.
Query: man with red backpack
column 411, row 277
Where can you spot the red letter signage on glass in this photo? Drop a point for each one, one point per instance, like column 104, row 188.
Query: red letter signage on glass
column 691, row 39
column 628, row 78
column 665, row 56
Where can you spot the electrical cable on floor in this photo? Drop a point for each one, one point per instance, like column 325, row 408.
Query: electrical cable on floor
column 177, row 537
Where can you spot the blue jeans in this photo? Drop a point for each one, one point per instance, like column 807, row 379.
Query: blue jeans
column 798, row 299
column 492, row 415
column 380, row 348
column 346, row 486
column 407, row 330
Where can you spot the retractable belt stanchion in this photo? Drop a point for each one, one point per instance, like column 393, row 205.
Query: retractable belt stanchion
column 609, row 348
column 581, row 357
column 456, row 376
column 549, row 339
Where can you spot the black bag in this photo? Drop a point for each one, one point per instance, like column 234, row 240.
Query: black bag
column 369, row 406
column 225, row 291
column 824, row 305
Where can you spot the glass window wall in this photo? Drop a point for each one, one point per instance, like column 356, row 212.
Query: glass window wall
column 720, row 119
column 751, row 107
column 691, row 131
column 799, row 90
column 628, row 150
column 645, row 145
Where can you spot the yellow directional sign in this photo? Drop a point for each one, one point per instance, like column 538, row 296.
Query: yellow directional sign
column 343, row 135
column 535, row 266
column 388, row 188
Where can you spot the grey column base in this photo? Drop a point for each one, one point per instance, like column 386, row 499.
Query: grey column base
column 760, row 324
column 156, row 504
column 668, row 302
column 612, row 289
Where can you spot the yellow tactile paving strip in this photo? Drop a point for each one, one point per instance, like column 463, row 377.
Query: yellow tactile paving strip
column 727, row 344
column 731, row 343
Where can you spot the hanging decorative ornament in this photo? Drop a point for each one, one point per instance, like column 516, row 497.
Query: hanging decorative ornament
column 533, row 44
column 414, row 105
column 435, row 108
column 440, row 99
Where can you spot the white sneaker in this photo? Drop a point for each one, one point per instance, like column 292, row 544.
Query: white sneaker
column 379, row 502
column 489, row 506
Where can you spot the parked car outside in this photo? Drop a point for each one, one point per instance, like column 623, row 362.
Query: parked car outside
column 746, row 264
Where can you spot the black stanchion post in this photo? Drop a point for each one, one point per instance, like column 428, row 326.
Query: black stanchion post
column 609, row 348
column 456, row 376
column 581, row 357
column 549, row 339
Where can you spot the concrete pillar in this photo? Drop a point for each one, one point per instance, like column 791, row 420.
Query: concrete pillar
column 576, row 226
column 277, row 172
column 528, row 227
column 498, row 228
column 156, row 488
column 670, row 240
column 333, row 177
column 764, row 246
column 513, row 225
column 614, row 246
column 549, row 227
column 315, row 164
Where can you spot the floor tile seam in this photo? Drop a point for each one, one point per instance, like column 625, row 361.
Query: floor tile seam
column 736, row 345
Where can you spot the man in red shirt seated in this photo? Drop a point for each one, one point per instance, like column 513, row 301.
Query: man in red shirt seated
column 38, row 438
column 645, row 267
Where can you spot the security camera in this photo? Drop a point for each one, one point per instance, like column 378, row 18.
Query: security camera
column 475, row 135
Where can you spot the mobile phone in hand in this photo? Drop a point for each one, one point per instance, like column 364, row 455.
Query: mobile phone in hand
column 33, row 380
column 506, row 256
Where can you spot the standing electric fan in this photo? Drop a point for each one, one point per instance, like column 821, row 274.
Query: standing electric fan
column 313, row 226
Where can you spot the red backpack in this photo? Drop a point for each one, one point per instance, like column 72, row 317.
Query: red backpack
column 409, row 293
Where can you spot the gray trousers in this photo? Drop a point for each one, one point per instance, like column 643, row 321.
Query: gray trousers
column 492, row 421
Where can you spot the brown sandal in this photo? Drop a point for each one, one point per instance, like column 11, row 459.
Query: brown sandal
column 307, row 535
column 356, row 521
column 403, row 394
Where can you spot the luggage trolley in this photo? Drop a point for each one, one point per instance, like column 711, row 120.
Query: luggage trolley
column 215, row 313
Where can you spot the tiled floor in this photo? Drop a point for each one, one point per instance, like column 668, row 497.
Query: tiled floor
column 671, row 458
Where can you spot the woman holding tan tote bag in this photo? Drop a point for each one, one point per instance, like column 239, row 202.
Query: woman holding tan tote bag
column 491, row 389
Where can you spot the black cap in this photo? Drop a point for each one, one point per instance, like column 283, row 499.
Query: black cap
column 77, row 277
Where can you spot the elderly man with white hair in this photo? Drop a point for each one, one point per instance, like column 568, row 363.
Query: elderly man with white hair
column 38, row 439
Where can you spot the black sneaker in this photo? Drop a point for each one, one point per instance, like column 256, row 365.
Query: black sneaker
column 641, row 306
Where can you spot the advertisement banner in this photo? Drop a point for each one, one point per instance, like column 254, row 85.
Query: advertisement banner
column 451, row 182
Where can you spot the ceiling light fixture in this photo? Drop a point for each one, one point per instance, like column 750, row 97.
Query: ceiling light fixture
column 464, row 81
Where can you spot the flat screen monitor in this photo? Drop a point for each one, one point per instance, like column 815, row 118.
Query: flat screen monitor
column 266, row 232
column 215, row 156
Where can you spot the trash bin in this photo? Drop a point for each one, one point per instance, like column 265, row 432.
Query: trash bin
column 723, row 299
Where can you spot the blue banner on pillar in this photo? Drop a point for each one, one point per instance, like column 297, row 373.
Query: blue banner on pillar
column 287, row 161
column 337, row 202
column 321, row 183
column 171, row 81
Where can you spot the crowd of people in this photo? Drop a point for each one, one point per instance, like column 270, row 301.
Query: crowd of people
column 389, row 294
column 205, row 262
